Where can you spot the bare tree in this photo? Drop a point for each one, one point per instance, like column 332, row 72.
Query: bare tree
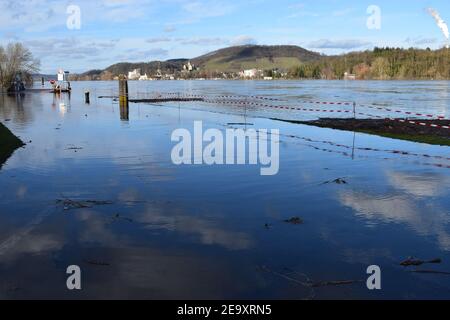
column 15, row 60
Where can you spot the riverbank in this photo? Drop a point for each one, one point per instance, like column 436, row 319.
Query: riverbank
column 8, row 144
column 389, row 129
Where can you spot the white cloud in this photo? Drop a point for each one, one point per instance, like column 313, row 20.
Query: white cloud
column 46, row 15
column 419, row 41
column 203, row 41
column 343, row 12
column 298, row 10
column 243, row 40
column 68, row 47
column 158, row 40
column 134, row 55
column 208, row 9
column 169, row 29
column 32, row 15
column 338, row 44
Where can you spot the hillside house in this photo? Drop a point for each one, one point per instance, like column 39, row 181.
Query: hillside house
column 134, row 75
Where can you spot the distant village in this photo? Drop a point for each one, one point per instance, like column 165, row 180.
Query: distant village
column 189, row 71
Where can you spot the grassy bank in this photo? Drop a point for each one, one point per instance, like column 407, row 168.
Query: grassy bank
column 388, row 129
column 8, row 144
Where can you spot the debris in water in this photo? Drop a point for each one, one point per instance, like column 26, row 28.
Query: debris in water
column 267, row 226
column 336, row 181
column 117, row 216
column 97, row 263
column 110, row 97
column 431, row 272
column 12, row 288
column 306, row 283
column 239, row 124
column 417, row 262
column 294, row 220
column 293, row 276
column 334, row 283
column 69, row 204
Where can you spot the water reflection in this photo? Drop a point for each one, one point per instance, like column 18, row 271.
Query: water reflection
column 208, row 230
column 13, row 108
column 419, row 184
column 61, row 102
column 124, row 112
column 426, row 219
column 203, row 232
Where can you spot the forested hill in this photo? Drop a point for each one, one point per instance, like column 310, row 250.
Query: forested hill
column 228, row 60
column 235, row 59
column 380, row 64
column 298, row 63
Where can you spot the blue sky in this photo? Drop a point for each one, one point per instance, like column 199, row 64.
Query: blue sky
column 141, row 30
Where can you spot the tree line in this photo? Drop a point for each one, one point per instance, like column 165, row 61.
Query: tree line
column 379, row 64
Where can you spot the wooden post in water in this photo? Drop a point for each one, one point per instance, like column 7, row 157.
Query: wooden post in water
column 123, row 97
column 354, row 110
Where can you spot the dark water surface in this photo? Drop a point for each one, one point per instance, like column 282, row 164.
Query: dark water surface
column 200, row 232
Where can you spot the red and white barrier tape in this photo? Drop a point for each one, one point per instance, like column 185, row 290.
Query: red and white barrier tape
column 433, row 125
column 404, row 112
column 423, row 124
column 348, row 154
column 224, row 96
column 399, row 152
column 290, row 108
column 328, row 103
column 280, row 107
column 440, row 117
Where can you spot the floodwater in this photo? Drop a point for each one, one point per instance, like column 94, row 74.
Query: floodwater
column 218, row 232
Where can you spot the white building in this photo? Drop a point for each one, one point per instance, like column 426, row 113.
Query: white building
column 250, row 74
column 349, row 76
column 189, row 67
column 134, row 75
column 144, row 78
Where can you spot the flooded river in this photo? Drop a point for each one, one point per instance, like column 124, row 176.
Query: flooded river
column 98, row 189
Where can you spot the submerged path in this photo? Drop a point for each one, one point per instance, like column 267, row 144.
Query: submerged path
column 391, row 129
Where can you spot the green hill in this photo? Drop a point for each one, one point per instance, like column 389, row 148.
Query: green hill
column 232, row 59
column 238, row 58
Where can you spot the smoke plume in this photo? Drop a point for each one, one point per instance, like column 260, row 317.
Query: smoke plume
column 441, row 24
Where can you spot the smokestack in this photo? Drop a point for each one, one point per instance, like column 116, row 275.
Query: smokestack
column 441, row 24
